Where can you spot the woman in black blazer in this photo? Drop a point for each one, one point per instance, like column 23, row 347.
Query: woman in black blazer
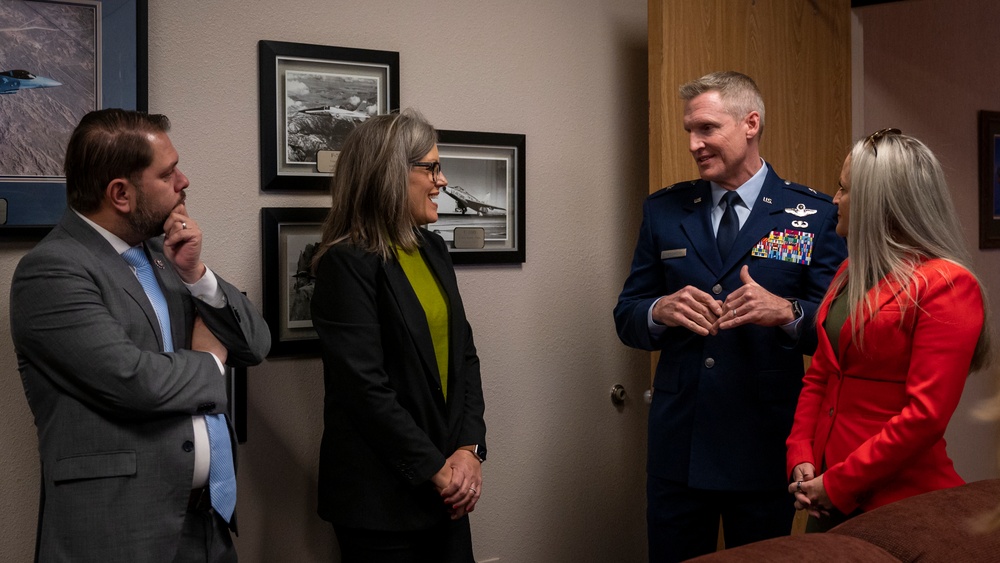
column 404, row 433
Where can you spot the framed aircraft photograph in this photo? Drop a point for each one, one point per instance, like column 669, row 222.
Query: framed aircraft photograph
column 58, row 61
column 311, row 97
column 481, row 210
column 289, row 238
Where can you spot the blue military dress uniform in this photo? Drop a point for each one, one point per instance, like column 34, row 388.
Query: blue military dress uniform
column 723, row 404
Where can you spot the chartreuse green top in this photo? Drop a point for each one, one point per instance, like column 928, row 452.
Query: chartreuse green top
column 435, row 305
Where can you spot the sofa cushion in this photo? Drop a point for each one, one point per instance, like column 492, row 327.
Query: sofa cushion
column 932, row 527
column 813, row 548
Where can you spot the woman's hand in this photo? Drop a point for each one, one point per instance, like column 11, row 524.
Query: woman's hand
column 460, row 482
column 809, row 492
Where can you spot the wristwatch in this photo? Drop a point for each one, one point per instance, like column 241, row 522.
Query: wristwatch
column 796, row 309
column 480, row 452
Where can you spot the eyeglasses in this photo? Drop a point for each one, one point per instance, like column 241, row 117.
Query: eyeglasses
column 877, row 136
column 433, row 167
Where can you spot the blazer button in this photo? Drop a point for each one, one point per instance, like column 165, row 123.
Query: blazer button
column 831, row 411
column 188, row 446
column 709, row 362
column 716, row 289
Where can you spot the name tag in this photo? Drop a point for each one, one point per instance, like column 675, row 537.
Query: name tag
column 675, row 253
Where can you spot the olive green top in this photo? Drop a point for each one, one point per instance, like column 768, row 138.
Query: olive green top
column 435, row 304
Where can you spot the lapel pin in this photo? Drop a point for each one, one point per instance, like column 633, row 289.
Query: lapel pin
column 697, row 200
column 159, row 263
column 767, row 200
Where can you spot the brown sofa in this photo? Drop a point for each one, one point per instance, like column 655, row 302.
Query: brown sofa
column 928, row 528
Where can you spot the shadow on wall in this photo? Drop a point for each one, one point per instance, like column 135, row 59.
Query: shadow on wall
column 278, row 466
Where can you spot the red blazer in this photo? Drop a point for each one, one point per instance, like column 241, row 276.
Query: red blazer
column 876, row 415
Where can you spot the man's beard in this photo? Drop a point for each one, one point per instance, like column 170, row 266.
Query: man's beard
column 145, row 222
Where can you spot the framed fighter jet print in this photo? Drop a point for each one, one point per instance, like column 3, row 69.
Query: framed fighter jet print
column 60, row 60
column 311, row 97
column 481, row 210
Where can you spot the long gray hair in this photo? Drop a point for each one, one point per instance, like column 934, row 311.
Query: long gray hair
column 370, row 199
column 901, row 213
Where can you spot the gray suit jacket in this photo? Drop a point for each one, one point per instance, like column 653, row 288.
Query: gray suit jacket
column 113, row 411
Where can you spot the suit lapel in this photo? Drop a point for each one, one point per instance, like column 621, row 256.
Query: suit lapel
column 697, row 226
column 761, row 221
column 440, row 265
column 173, row 288
column 116, row 266
column 414, row 319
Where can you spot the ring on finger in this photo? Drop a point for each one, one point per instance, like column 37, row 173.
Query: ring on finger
column 184, row 225
column 472, row 490
column 798, row 486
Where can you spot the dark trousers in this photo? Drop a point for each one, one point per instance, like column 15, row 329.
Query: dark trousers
column 683, row 522
column 448, row 542
column 205, row 539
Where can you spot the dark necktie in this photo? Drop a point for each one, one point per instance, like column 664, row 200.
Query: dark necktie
column 729, row 227
column 221, row 473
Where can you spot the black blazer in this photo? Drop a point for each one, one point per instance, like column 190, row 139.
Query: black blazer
column 388, row 429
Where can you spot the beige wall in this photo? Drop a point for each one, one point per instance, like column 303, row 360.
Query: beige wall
column 565, row 479
column 929, row 66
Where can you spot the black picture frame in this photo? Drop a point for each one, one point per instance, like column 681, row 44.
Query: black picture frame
column 486, row 176
column 335, row 88
column 286, row 233
column 114, row 73
column 989, row 179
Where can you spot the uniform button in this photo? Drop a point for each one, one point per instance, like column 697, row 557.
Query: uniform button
column 716, row 289
column 709, row 362
column 831, row 411
column 188, row 446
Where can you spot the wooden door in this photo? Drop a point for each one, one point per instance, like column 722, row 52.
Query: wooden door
column 798, row 52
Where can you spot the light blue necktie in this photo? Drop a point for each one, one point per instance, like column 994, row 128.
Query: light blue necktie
column 221, row 474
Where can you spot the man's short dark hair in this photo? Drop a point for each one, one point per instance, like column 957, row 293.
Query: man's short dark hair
column 108, row 144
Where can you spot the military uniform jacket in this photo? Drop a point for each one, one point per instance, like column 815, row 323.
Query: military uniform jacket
column 723, row 405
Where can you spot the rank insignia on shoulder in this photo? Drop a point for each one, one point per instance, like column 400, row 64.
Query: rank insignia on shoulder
column 800, row 210
column 786, row 246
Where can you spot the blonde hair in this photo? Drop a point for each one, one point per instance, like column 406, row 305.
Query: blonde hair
column 370, row 203
column 739, row 93
column 901, row 213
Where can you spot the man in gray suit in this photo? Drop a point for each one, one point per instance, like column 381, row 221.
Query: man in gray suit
column 121, row 334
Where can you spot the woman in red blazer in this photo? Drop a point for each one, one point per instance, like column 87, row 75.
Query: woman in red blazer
column 899, row 330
